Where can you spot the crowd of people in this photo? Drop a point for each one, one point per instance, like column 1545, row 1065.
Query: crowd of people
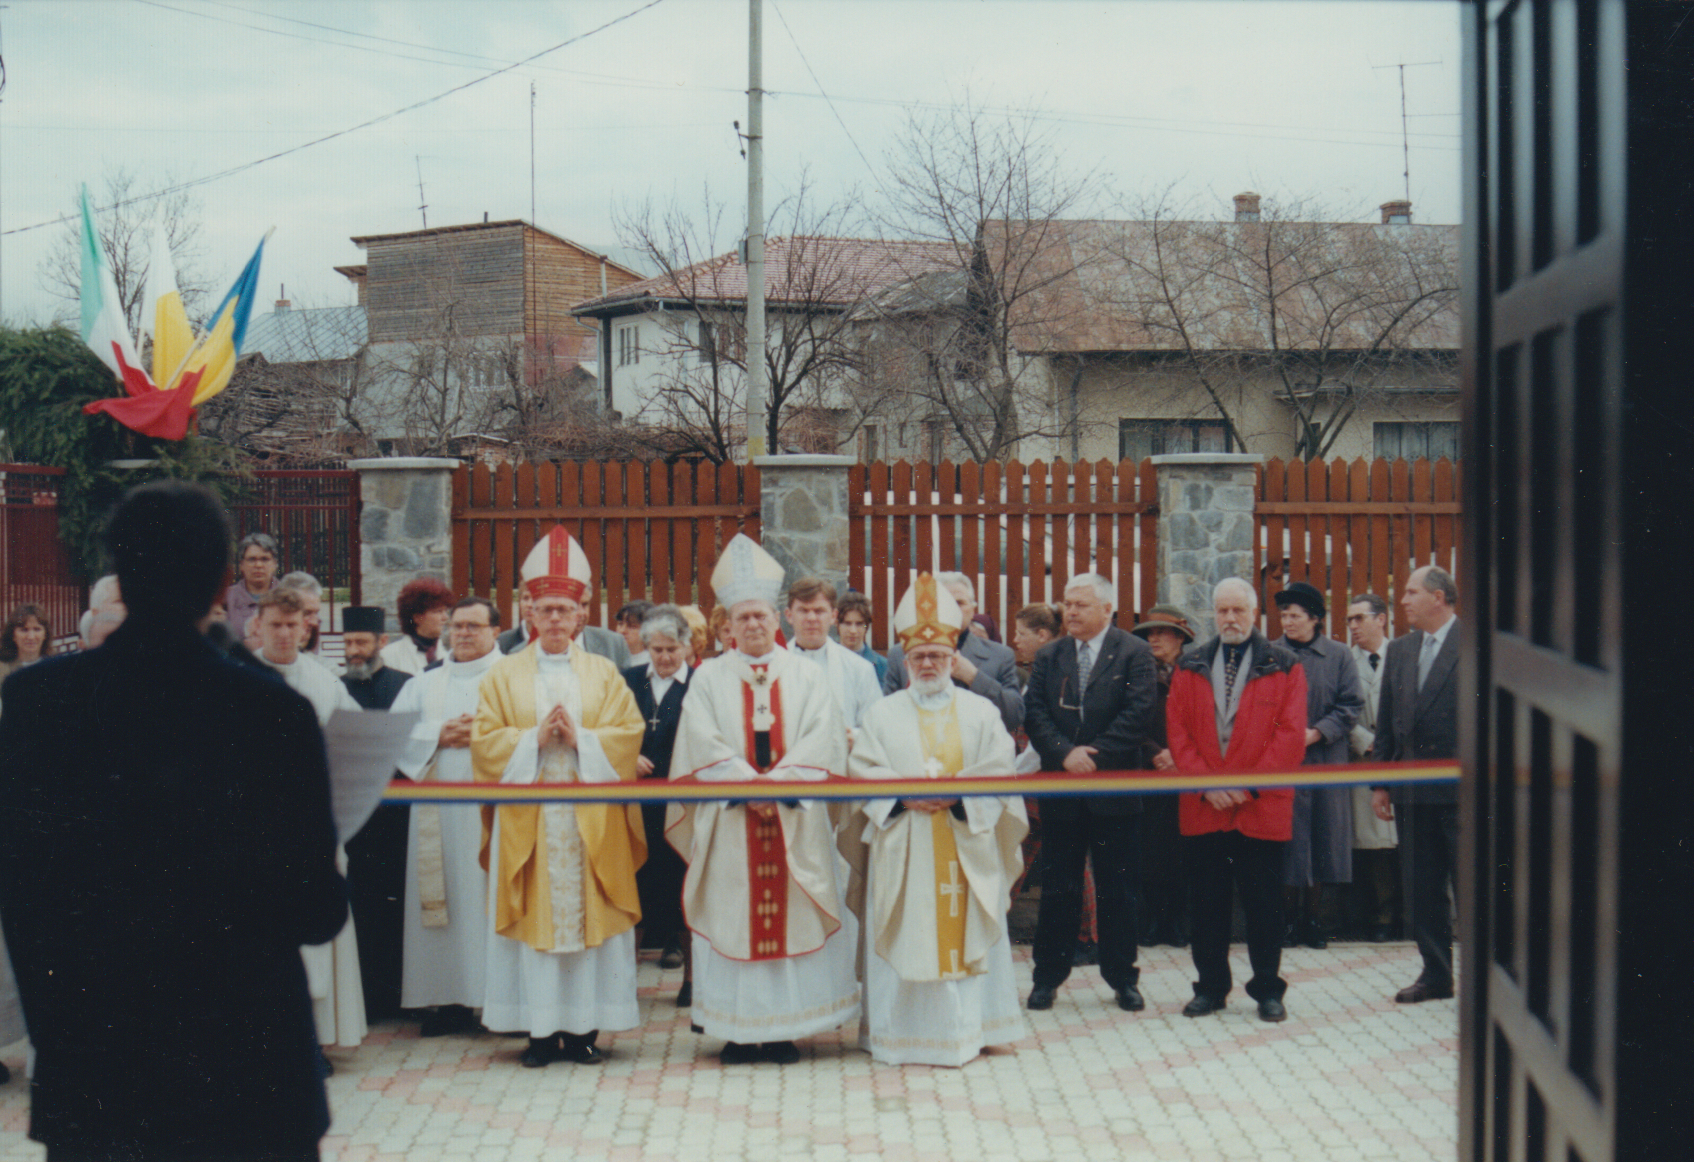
column 785, row 917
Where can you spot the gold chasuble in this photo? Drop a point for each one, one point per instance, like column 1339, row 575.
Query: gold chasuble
column 944, row 758
column 612, row 839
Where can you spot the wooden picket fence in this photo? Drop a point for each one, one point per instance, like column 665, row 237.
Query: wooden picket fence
column 1019, row 530
column 1352, row 527
column 651, row 530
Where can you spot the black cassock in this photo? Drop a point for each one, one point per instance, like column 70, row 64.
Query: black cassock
column 659, row 880
column 376, row 872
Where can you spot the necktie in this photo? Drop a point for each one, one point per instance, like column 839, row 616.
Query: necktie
column 1375, row 661
column 1084, row 663
column 1426, row 659
column 1231, row 667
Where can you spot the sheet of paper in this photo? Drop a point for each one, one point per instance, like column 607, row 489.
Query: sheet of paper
column 364, row 749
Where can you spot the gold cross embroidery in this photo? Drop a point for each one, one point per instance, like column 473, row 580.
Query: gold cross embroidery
column 952, row 889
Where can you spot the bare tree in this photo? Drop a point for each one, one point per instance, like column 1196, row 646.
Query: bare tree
column 125, row 230
column 814, row 277
column 1320, row 313
column 993, row 193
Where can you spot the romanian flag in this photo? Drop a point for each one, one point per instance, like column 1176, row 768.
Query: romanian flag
column 188, row 368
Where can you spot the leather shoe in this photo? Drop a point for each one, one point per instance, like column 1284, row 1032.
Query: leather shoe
column 671, row 958
column 735, row 1053
column 685, row 995
column 447, row 1021
column 579, row 1049
column 1203, row 1006
column 780, row 1052
column 1270, row 1009
column 1420, row 991
column 1129, row 999
column 1041, row 998
column 542, row 1051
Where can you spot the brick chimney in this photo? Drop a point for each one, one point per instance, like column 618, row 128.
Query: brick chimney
column 282, row 304
column 1247, row 207
column 1397, row 213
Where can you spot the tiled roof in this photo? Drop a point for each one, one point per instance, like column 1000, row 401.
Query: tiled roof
column 1087, row 287
column 800, row 268
column 307, row 335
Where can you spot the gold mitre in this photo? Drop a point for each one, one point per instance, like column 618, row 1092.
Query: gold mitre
column 745, row 572
column 928, row 616
column 557, row 567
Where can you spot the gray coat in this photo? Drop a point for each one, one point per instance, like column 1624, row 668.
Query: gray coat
column 996, row 675
column 1321, row 850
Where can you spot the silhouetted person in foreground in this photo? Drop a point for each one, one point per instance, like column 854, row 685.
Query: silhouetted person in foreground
column 159, row 870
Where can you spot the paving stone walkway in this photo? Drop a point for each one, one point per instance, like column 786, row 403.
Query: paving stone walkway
column 1349, row 1076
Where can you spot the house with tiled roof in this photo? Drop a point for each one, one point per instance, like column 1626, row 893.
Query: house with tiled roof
column 1262, row 333
column 673, row 347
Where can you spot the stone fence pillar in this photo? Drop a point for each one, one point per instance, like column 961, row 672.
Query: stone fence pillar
column 1205, row 528
column 405, row 528
column 803, row 506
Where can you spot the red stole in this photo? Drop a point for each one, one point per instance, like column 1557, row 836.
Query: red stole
column 767, row 851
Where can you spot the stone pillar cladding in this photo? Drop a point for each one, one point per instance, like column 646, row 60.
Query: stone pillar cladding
column 405, row 526
column 803, row 509
column 1205, row 528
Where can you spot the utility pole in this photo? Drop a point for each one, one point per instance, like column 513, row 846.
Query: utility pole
column 532, row 153
column 1405, row 142
column 757, row 391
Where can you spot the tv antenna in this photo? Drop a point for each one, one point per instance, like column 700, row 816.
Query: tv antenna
column 1405, row 139
column 423, row 206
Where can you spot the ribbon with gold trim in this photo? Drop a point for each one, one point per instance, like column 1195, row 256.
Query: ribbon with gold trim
column 1046, row 783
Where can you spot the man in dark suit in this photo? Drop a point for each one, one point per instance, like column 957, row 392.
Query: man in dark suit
column 1418, row 718
column 1086, row 710
column 658, row 686
column 166, row 846
column 595, row 640
column 979, row 665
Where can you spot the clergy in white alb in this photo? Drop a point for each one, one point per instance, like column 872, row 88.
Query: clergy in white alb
column 773, row 959
column 562, row 896
column 332, row 970
column 852, row 680
column 937, row 872
column 444, row 927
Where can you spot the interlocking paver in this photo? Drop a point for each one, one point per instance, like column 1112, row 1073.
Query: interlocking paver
column 1351, row 1075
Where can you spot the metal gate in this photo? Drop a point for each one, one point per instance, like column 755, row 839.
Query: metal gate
column 34, row 564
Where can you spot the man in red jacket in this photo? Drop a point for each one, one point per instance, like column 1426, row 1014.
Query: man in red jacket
column 1237, row 703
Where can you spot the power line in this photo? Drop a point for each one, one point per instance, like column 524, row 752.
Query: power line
column 802, row 52
column 233, row 170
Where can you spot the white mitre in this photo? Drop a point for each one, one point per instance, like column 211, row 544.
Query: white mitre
column 557, row 567
column 745, row 572
column 928, row 616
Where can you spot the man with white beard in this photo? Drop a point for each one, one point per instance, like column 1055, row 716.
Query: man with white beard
column 939, row 871
column 445, row 932
column 332, row 970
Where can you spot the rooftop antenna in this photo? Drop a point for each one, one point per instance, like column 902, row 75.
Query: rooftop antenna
column 532, row 153
column 423, row 206
column 1405, row 142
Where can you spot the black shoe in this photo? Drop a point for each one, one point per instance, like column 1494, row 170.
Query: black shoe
column 1041, row 998
column 735, row 1053
column 780, row 1052
column 1129, row 999
column 1270, row 1009
column 449, row 1020
column 692, row 1028
column 1314, row 938
column 685, row 995
column 1203, row 1006
column 542, row 1051
column 671, row 957
column 1421, row 990
column 579, row 1048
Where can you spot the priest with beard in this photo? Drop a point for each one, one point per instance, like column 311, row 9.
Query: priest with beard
column 332, row 970
column 774, row 946
column 562, row 895
column 937, row 870
column 444, row 888
column 376, row 856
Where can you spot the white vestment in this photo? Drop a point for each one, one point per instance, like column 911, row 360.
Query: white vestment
column 332, row 970
column 573, row 989
column 743, row 990
column 852, row 680
column 920, row 1011
column 444, row 963
column 402, row 654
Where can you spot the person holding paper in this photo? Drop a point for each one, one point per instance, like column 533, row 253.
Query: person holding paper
column 562, row 895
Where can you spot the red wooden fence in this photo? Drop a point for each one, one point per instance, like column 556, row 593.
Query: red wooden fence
column 34, row 564
column 652, row 531
column 1351, row 527
column 1019, row 530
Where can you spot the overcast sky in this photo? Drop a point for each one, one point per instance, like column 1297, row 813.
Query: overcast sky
column 1211, row 98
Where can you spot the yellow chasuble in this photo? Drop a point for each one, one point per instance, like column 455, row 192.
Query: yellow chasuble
column 944, row 758
column 613, row 840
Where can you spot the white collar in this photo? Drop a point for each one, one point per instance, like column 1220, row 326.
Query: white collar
column 1094, row 641
column 681, row 675
column 543, row 658
column 761, row 660
column 937, row 701
column 1440, row 635
column 475, row 666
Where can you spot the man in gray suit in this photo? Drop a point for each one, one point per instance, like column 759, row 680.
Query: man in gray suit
column 606, row 643
column 979, row 665
column 1418, row 718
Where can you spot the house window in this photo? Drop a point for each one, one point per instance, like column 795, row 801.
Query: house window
column 868, row 443
column 1411, row 440
column 629, row 346
column 1139, row 439
column 706, row 340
